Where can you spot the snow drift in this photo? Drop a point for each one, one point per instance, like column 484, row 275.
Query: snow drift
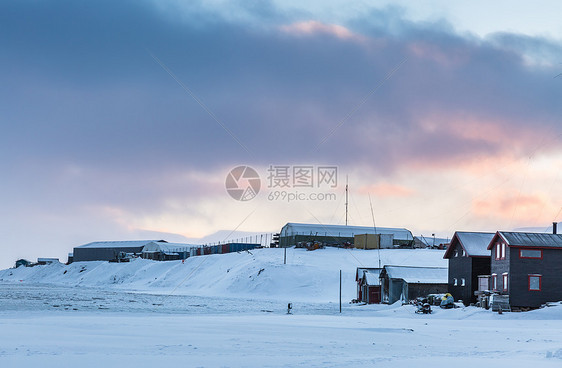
column 307, row 276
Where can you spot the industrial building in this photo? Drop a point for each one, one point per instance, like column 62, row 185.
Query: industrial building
column 337, row 235
column 109, row 250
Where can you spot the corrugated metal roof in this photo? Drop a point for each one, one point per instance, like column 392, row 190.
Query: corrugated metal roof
column 538, row 240
column 418, row 275
column 292, row 228
column 475, row 244
column 118, row 244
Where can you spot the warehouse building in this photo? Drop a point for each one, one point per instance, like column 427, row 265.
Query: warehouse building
column 337, row 235
column 109, row 250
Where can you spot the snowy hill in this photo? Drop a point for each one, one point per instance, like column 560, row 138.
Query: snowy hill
column 259, row 274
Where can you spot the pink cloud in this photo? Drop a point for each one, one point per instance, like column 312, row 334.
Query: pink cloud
column 312, row 27
column 386, row 190
column 450, row 57
column 511, row 206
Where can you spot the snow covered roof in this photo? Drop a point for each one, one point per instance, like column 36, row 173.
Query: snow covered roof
column 538, row 240
column 361, row 270
column 167, row 247
column 418, row 275
column 372, row 277
column 292, row 228
column 119, row 244
column 430, row 240
column 475, row 244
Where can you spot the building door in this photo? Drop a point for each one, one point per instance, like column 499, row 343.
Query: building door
column 374, row 294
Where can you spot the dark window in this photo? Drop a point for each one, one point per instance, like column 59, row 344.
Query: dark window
column 535, row 282
column 530, row 253
column 494, row 281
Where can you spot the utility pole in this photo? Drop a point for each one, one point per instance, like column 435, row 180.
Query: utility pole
column 340, row 291
column 285, row 255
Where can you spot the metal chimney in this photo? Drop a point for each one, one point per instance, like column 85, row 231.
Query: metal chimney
column 554, row 227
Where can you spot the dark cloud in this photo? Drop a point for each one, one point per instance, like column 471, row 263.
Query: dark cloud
column 81, row 89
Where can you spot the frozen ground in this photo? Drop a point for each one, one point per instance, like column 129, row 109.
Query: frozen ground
column 56, row 319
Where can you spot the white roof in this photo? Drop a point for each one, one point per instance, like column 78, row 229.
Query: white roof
column 292, row 228
column 118, row 244
column 167, row 247
column 418, row 275
column 372, row 277
column 475, row 244
column 361, row 270
column 430, row 240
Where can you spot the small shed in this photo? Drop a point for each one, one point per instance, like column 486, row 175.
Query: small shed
column 374, row 241
column 371, row 287
column 368, row 287
column 407, row 282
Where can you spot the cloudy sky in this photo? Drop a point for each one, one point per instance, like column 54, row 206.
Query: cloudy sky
column 121, row 120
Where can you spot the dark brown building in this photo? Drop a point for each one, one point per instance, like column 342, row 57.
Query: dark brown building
column 527, row 267
column 469, row 258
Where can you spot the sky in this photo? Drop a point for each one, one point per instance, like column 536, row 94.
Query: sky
column 122, row 120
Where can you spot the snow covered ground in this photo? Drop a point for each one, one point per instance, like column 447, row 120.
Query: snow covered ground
column 220, row 311
column 307, row 276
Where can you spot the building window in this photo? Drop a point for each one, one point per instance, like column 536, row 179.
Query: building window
column 500, row 251
column 462, row 252
column 535, row 282
column 463, row 282
column 455, row 282
column 494, row 281
column 505, row 278
column 530, row 253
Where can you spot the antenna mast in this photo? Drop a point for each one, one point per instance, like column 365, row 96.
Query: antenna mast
column 375, row 227
column 346, row 199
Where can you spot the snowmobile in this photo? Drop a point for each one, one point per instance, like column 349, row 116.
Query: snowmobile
column 423, row 307
column 447, row 301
